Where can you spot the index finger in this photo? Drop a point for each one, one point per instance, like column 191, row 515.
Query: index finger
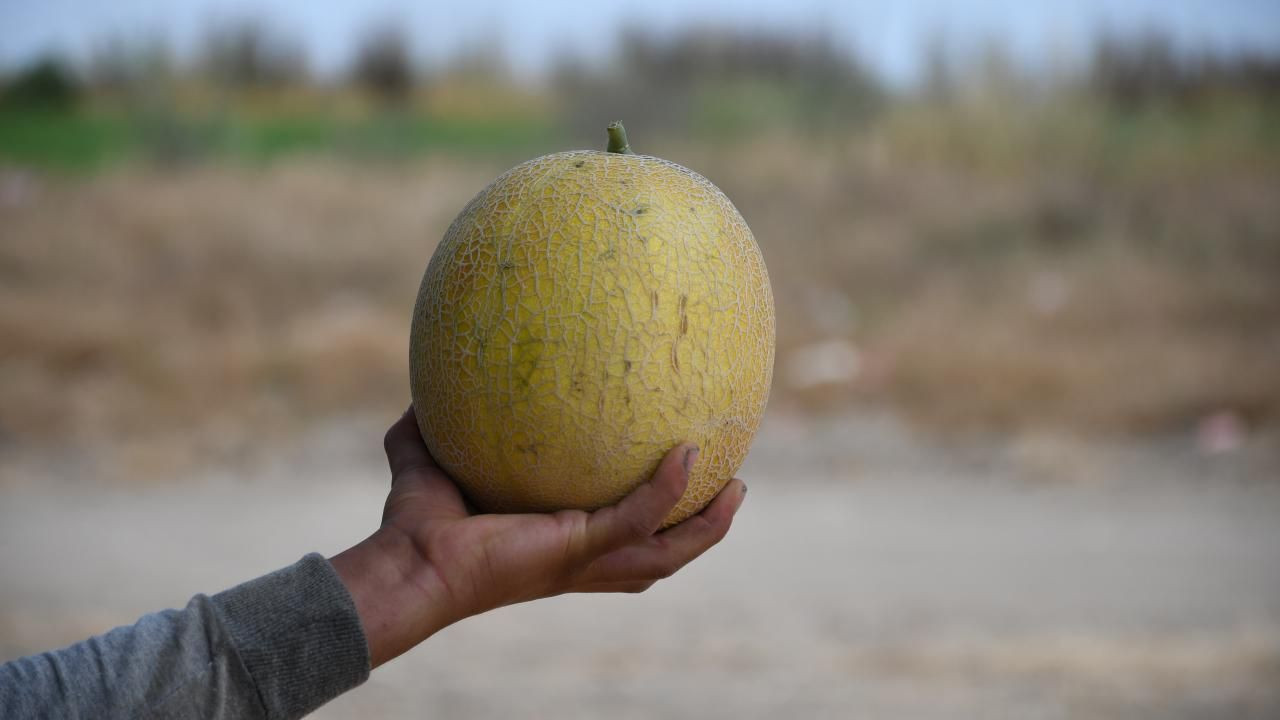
column 404, row 446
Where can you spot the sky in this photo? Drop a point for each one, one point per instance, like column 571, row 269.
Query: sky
column 887, row 35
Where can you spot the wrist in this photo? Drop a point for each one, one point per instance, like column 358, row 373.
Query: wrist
column 392, row 587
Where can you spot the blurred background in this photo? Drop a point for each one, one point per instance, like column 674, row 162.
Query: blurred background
column 1022, row 455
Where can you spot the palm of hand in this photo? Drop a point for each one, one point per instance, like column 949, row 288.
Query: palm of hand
column 476, row 563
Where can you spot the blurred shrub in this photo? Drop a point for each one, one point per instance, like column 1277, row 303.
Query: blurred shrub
column 131, row 67
column 721, row 83
column 249, row 53
column 140, row 78
column 46, row 85
column 383, row 66
column 1128, row 72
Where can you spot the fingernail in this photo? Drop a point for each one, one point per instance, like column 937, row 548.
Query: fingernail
column 690, row 457
column 744, row 489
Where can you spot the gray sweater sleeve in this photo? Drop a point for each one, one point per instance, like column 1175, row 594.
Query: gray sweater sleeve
column 279, row 646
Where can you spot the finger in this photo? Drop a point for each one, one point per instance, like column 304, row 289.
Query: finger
column 426, row 494
column 417, row 482
column 633, row 586
column 663, row 554
column 404, row 446
column 640, row 514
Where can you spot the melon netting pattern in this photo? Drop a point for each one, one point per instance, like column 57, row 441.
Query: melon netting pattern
column 584, row 313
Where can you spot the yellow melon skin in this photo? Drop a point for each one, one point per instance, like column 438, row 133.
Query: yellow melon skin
column 584, row 314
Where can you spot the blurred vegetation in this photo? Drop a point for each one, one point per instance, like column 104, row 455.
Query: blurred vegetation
column 1137, row 103
column 245, row 53
column 720, row 86
column 46, row 86
column 383, row 66
column 249, row 96
column 1093, row 247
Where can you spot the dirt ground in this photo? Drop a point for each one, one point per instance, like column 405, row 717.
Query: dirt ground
column 870, row 574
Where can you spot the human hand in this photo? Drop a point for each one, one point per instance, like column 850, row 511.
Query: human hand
column 433, row 562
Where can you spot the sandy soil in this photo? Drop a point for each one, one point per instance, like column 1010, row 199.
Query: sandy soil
column 871, row 574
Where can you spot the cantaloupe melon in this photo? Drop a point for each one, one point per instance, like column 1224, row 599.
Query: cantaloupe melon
column 585, row 313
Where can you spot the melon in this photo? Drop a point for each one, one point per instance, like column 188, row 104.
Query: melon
column 584, row 313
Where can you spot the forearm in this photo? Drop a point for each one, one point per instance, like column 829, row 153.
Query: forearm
column 275, row 647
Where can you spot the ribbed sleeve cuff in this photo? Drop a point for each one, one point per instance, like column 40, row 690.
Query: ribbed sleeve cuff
column 297, row 633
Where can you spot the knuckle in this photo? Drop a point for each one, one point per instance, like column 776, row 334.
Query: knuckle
column 718, row 531
column 638, row 525
column 708, row 531
column 671, row 494
column 661, row 543
column 573, row 527
column 570, row 520
column 666, row 568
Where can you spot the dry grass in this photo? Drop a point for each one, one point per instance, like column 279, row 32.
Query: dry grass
column 203, row 309
column 213, row 305
column 990, row 300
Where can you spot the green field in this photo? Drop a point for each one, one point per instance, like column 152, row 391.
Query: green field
column 94, row 140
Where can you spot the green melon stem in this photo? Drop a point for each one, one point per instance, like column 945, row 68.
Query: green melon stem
column 618, row 139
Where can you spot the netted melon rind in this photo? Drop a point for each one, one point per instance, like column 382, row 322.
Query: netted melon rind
column 583, row 314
